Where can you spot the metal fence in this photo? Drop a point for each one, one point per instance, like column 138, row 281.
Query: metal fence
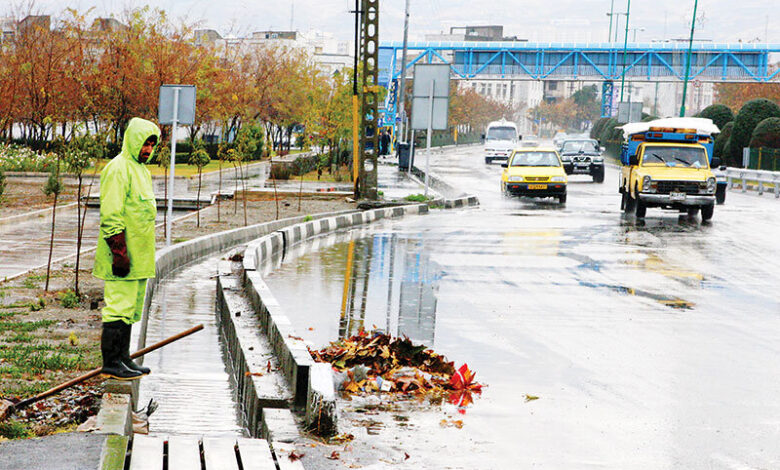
column 757, row 180
column 762, row 158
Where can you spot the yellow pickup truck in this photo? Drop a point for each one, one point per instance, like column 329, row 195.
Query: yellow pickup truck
column 666, row 164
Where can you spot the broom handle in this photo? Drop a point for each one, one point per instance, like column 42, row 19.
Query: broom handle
column 95, row 372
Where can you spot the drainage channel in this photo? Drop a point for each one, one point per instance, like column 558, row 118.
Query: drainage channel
column 189, row 379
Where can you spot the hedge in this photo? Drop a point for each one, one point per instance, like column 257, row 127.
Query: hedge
column 719, row 149
column 747, row 119
column 766, row 134
column 719, row 113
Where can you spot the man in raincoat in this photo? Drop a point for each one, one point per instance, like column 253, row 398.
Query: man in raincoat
column 125, row 251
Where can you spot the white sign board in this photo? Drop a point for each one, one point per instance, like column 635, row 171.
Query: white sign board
column 426, row 75
column 185, row 114
column 630, row 111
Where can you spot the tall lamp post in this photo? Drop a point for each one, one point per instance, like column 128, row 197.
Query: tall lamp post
column 611, row 14
column 625, row 50
column 688, row 60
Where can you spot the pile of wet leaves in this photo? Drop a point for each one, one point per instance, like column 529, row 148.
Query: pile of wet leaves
column 381, row 363
column 62, row 412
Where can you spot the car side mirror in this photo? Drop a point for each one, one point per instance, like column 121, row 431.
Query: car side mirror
column 505, row 165
column 602, row 149
column 723, row 168
column 519, row 137
column 633, row 160
column 483, row 136
column 715, row 162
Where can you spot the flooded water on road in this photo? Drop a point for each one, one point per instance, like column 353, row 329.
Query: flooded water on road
column 650, row 344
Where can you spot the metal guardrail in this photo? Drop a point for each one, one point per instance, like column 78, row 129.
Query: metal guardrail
column 758, row 179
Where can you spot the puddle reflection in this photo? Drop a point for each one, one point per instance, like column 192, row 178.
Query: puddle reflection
column 387, row 281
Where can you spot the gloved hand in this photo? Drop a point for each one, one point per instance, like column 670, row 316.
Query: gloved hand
column 121, row 265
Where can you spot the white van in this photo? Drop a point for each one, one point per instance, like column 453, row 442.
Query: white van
column 501, row 138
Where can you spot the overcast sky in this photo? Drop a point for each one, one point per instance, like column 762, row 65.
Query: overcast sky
column 536, row 20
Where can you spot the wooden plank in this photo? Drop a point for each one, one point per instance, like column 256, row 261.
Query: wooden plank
column 282, row 451
column 220, row 453
column 147, row 453
column 183, row 453
column 255, row 454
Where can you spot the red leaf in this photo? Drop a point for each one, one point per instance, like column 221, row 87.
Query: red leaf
column 295, row 456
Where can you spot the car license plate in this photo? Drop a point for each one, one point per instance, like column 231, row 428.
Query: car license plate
column 677, row 196
column 537, row 186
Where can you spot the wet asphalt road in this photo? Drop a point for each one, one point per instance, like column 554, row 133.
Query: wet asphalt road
column 649, row 344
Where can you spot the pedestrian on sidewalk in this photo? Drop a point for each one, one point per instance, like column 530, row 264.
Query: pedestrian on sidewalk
column 125, row 251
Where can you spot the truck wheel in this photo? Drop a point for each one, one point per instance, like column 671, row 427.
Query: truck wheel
column 707, row 212
column 562, row 199
column 630, row 203
column 641, row 209
column 692, row 211
column 488, row 160
column 598, row 177
column 720, row 194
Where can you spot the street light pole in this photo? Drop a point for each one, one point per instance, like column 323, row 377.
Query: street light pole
column 688, row 60
column 402, row 84
column 625, row 50
column 355, row 109
column 611, row 13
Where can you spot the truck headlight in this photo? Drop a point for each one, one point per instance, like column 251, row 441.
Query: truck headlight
column 558, row 179
column 711, row 183
column 598, row 159
column 647, row 185
column 515, row 178
column 565, row 158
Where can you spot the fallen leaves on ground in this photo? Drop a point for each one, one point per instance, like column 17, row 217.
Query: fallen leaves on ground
column 452, row 423
column 295, row 455
column 379, row 362
column 334, row 455
column 530, row 398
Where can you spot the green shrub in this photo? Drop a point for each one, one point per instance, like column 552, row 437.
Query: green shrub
column 720, row 145
column 747, row 119
column 766, row 133
column 308, row 218
column 37, row 305
column 649, row 117
column 280, row 171
column 417, row 198
column 69, row 299
column 2, row 183
column 719, row 113
column 15, row 430
column 596, row 129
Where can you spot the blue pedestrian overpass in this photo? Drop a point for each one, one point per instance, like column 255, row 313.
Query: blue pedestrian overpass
column 600, row 62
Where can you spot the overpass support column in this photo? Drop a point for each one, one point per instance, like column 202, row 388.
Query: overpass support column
column 607, row 91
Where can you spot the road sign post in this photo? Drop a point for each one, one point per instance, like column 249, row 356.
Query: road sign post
column 176, row 106
column 430, row 103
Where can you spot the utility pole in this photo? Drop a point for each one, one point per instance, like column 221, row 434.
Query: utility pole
column 611, row 13
column 625, row 50
column 402, row 84
column 355, row 114
column 688, row 59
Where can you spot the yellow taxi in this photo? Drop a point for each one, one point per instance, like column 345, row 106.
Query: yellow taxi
column 534, row 172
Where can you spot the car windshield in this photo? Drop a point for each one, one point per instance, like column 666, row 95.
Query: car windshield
column 577, row 146
column 501, row 133
column 535, row 159
column 694, row 157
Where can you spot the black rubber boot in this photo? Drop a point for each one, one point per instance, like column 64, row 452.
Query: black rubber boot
column 126, row 360
column 111, row 348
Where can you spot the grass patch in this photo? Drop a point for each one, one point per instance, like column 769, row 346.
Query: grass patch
column 37, row 362
column 69, row 299
column 27, row 389
column 30, row 283
column 15, row 430
column 417, row 198
column 180, row 240
column 22, row 338
column 25, row 327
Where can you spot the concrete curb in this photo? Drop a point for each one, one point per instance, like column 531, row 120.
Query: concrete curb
column 258, row 389
column 312, row 390
column 442, row 187
column 115, row 415
column 15, row 219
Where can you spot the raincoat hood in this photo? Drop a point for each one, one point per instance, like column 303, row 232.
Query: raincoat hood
column 138, row 130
